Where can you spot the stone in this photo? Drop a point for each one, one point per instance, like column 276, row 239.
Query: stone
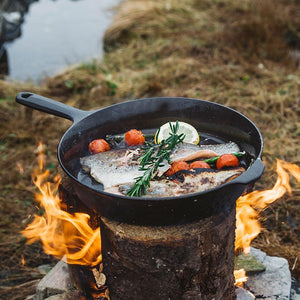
column 56, row 282
column 44, row 269
column 13, row 17
column 295, row 291
column 71, row 295
column 275, row 282
column 242, row 294
column 249, row 263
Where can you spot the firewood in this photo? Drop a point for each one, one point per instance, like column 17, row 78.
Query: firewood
column 190, row 261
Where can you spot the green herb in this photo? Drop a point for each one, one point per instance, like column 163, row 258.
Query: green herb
column 152, row 157
column 214, row 159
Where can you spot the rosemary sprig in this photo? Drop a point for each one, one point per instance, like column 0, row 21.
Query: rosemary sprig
column 152, row 157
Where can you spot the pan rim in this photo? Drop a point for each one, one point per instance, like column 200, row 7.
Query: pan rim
column 154, row 200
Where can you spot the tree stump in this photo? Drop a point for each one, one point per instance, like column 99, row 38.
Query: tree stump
column 190, row 261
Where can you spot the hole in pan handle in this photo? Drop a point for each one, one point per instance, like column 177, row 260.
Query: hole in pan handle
column 51, row 106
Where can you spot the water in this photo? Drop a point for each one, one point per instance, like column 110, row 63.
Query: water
column 57, row 34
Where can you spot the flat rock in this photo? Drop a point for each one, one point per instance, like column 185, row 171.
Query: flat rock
column 249, row 263
column 242, row 294
column 71, row 295
column 275, row 282
column 56, row 282
column 295, row 291
column 44, row 269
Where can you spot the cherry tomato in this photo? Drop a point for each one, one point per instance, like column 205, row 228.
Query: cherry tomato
column 227, row 160
column 199, row 164
column 177, row 166
column 97, row 146
column 134, row 137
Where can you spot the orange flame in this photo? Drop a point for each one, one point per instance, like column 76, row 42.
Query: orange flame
column 20, row 168
column 40, row 151
column 62, row 234
column 250, row 205
column 240, row 277
column 23, row 260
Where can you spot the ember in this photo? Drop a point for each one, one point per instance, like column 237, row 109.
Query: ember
column 61, row 233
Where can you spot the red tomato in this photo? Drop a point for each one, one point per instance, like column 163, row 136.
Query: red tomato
column 177, row 166
column 227, row 160
column 134, row 137
column 199, row 164
column 97, row 146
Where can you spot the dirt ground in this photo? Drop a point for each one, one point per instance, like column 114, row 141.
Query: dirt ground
column 242, row 55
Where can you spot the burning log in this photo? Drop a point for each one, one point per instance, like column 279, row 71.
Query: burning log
column 88, row 279
column 190, row 261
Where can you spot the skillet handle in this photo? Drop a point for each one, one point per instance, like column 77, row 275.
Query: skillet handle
column 52, row 107
column 252, row 174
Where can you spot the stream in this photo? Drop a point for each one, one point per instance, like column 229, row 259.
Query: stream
column 56, row 34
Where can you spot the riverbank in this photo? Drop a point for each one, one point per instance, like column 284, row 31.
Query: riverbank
column 57, row 34
column 234, row 54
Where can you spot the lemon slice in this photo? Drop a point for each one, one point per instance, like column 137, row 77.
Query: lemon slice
column 191, row 134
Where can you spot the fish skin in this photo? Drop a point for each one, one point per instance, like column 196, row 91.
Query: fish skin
column 230, row 147
column 191, row 181
column 120, row 166
column 188, row 152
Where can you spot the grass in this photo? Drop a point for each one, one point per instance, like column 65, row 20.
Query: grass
column 232, row 53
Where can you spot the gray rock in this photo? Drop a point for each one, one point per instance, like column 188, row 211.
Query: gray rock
column 260, row 255
column 242, row 294
column 56, row 282
column 275, row 282
column 71, row 295
column 249, row 263
column 13, row 17
column 44, row 269
column 295, row 291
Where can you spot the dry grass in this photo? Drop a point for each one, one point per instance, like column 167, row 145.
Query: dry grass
column 266, row 30
column 234, row 53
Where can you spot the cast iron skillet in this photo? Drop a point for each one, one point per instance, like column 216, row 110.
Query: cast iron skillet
column 205, row 116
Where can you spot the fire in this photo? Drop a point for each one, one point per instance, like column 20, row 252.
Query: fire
column 23, row 261
column 240, row 277
column 20, row 168
column 250, row 205
column 62, row 234
column 70, row 236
